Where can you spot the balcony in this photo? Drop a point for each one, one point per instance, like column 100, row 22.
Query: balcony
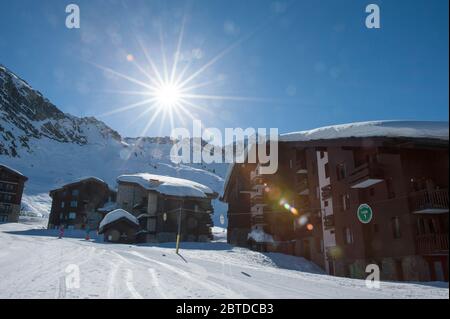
column 257, row 208
column 430, row 244
column 366, row 175
column 425, row 202
column 300, row 166
column 5, row 209
column 328, row 221
column 326, row 192
column 257, row 192
column 302, row 186
column 258, row 199
column 258, row 220
column 302, row 203
column 254, row 174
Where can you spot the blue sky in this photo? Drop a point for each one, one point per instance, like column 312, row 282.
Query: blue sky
column 299, row 64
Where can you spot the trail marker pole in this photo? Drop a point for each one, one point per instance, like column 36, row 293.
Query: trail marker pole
column 179, row 228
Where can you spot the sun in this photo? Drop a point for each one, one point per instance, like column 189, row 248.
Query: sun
column 168, row 95
column 170, row 92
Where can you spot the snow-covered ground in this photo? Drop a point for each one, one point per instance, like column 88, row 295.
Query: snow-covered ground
column 35, row 264
column 53, row 164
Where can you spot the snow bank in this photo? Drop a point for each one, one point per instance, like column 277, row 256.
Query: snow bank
column 260, row 237
column 36, row 205
column 171, row 186
column 116, row 215
column 410, row 129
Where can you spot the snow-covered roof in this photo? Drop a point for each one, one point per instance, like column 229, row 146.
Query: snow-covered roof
column 408, row 129
column 12, row 170
column 86, row 178
column 167, row 185
column 109, row 206
column 116, row 215
column 82, row 179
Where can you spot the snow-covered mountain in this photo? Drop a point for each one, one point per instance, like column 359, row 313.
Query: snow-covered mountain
column 53, row 148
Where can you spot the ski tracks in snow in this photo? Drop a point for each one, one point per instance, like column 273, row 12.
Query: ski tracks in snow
column 197, row 278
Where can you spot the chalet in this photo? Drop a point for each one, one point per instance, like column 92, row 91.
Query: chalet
column 162, row 203
column 11, row 189
column 78, row 205
column 119, row 226
column 352, row 195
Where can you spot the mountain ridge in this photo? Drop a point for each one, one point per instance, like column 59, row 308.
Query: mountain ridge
column 53, row 148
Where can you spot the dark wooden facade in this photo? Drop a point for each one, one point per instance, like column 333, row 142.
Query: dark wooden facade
column 120, row 231
column 404, row 181
column 158, row 214
column 11, row 190
column 237, row 195
column 75, row 205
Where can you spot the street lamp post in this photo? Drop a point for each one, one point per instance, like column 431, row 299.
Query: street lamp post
column 179, row 227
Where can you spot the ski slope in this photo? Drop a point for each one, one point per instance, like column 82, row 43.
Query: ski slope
column 35, row 264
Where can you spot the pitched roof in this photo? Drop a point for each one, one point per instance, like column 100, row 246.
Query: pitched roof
column 408, row 129
column 167, row 185
column 14, row 171
column 81, row 180
column 116, row 215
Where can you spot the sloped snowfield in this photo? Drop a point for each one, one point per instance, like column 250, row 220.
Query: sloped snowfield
column 35, row 264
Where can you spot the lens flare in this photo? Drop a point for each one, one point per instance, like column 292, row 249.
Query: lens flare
column 168, row 95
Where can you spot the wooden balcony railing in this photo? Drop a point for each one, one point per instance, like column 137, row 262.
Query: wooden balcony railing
column 364, row 172
column 432, row 244
column 428, row 201
column 302, row 185
column 5, row 209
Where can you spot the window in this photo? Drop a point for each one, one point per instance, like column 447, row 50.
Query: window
column 322, row 154
column 72, row 215
column 341, row 171
column 74, row 203
column 325, row 203
column 61, row 216
column 75, row 192
column 327, row 170
column 420, row 226
column 62, row 204
column 348, row 236
column 345, row 202
column 396, row 227
column 6, row 198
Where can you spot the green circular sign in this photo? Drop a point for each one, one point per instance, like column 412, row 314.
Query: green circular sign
column 365, row 213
